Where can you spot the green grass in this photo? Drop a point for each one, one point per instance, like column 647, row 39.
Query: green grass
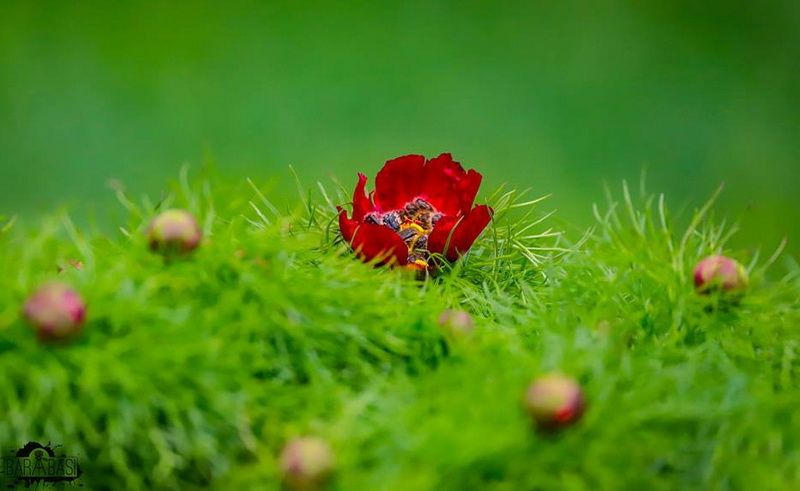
column 192, row 374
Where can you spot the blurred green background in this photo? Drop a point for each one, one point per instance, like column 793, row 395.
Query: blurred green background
column 560, row 96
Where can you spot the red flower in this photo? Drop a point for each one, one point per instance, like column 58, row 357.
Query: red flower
column 419, row 207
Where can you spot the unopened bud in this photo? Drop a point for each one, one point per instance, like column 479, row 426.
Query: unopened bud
column 455, row 323
column 174, row 232
column 554, row 401
column 56, row 311
column 720, row 273
column 306, row 463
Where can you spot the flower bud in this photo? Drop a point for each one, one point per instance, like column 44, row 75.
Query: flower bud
column 720, row 273
column 174, row 232
column 306, row 463
column 56, row 311
column 554, row 401
column 456, row 323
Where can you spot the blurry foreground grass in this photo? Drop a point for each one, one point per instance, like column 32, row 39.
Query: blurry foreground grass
column 194, row 373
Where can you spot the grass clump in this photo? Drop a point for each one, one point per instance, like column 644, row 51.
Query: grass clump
column 194, row 373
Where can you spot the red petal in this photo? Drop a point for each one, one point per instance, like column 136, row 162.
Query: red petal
column 373, row 242
column 440, row 235
column 448, row 186
column 346, row 226
column 439, row 183
column 464, row 232
column 399, row 182
column 361, row 202
column 468, row 189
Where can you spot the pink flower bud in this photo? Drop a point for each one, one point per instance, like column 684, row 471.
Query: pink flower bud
column 56, row 311
column 174, row 232
column 720, row 273
column 306, row 463
column 456, row 323
column 554, row 401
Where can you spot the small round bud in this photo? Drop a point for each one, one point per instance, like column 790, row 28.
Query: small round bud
column 720, row 273
column 306, row 463
column 174, row 232
column 603, row 327
column 56, row 311
column 554, row 401
column 455, row 323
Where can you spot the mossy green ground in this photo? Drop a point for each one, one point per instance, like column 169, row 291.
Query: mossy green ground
column 193, row 373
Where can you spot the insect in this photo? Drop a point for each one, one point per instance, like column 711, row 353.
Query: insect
column 418, row 259
column 410, row 233
column 392, row 220
column 416, row 206
column 428, row 219
column 413, row 223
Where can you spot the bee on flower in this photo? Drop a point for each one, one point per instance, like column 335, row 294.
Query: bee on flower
column 419, row 207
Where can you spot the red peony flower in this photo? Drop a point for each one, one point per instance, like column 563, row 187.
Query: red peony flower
column 419, row 207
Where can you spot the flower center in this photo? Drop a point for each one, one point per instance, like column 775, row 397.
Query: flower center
column 413, row 223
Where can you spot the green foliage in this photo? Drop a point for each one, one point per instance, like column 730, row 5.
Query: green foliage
column 193, row 373
column 553, row 95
